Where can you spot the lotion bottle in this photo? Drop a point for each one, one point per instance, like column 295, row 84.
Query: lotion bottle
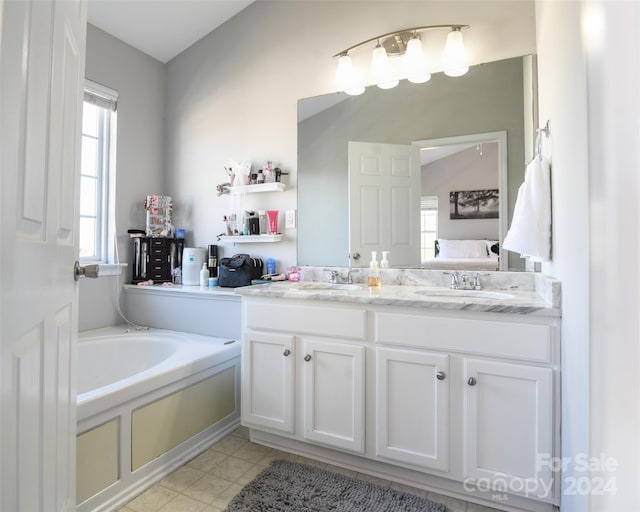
column 374, row 279
column 204, row 275
column 384, row 262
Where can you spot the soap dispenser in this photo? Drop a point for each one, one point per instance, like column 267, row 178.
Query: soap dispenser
column 204, row 275
column 384, row 262
column 374, row 279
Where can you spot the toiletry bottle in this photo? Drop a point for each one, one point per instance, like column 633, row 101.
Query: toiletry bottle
column 204, row 275
column 271, row 266
column 212, row 263
column 384, row 262
column 373, row 264
column 374, row 279
column 262, row 221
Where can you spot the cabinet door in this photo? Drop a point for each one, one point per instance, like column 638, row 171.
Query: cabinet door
column 333, row 375
column 508, row 426
column 267, row 380
column 412, row 398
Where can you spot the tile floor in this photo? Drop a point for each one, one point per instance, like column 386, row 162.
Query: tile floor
column 208, row 482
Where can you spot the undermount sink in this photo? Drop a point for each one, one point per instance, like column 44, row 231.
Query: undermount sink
column 314, row 287
column 478, row 294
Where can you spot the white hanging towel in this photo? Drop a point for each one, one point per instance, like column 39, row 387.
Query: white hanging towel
column 530, row 231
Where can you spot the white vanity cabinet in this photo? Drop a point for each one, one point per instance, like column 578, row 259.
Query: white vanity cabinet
column 333, row 404
column 465, row 402
column 508, row 424
column 412, row 400
column 267, row 395
column 501, row 385
column 299, row 377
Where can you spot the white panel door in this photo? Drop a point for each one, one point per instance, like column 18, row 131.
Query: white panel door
column 267, row 380
column 333, row 375
column 42, row 69
column 412, row 397
column 384, row 202
column 508, row 425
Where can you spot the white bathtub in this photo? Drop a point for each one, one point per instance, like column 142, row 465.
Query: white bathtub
column 128, row 385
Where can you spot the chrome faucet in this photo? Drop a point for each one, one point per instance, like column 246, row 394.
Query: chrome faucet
column 455, row 283
column 476, row 281
column 464, row 281
column 336, row 278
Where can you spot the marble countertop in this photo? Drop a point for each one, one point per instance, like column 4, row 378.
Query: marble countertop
column 515, row 301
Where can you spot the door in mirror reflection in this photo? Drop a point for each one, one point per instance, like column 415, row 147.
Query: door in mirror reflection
column 384, row 203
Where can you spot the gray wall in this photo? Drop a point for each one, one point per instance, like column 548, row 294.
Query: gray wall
column 466, row 170
column 234, row 93
column 140, row 82
column 487, row 99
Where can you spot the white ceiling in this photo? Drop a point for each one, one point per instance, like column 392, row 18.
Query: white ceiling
column 162, row 28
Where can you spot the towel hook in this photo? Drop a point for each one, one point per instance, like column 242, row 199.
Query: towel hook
column 539, row 131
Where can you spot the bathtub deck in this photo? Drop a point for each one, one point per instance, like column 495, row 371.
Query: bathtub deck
column 211, row 480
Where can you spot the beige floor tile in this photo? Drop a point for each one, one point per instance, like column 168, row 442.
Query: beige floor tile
column 152, row 499
column 207, row 460
column 231, row 468
column 229, row 445
column 223, row 499
column 211, row 508
column 253, row 472
column 277, row 455
column 251, row 452
column 242, row 432
column 207, row 488
column 183, row 503
column 182, row 478
column 452, row 504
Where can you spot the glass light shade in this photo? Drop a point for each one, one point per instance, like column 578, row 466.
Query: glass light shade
column 346, row 77
column 415, row 62
column 381, row 69
column 454, row 55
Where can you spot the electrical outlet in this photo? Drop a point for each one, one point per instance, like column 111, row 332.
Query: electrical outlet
column 290, row 219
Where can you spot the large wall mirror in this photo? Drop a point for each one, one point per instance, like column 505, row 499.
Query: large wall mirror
column 478, row 130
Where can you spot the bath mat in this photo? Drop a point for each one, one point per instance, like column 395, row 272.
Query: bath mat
column 294, row 487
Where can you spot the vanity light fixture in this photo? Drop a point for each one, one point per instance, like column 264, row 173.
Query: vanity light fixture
column 415, row 66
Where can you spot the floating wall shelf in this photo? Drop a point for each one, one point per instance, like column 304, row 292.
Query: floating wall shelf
column 249, row 239
column 276, row 186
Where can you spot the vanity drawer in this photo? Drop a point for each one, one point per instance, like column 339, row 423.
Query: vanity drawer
column 300, row 319
column 512, row 340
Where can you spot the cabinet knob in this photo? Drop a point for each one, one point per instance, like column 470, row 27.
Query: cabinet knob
column 440, row 375
column 286, row 352
column 472, row 381
column 307, row 358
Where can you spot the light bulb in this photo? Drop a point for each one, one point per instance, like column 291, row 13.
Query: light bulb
column 415, row 62
column 454, row 55
column 381, row 69
column 346, row 77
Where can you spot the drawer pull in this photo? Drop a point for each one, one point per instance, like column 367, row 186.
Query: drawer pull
column 472, row 381
column 286, row 352
column 307, row 358
column 441, row 376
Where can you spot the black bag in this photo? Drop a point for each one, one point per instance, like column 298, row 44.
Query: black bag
column 239, row 270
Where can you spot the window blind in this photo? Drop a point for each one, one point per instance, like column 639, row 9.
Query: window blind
column 429, row 203
column 100, row 95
